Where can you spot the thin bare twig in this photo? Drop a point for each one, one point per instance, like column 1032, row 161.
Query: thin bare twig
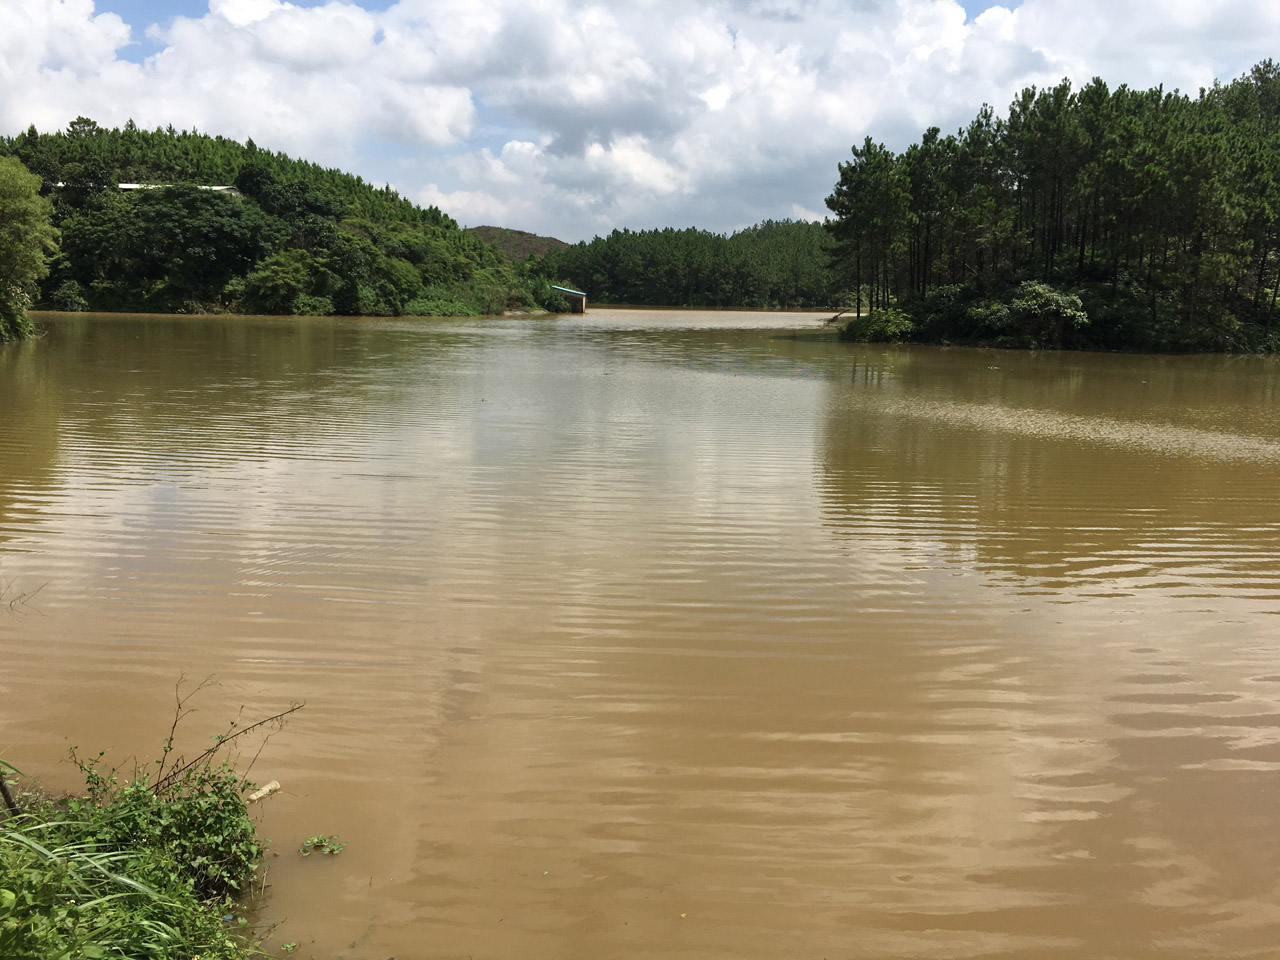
column 172, row 776
column 15, row 602
column 244, row 777
column 179, row 712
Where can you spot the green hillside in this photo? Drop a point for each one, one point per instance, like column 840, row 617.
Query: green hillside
column 293, row 237
column 517, row 244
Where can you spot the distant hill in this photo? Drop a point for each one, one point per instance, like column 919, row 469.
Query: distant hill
column 517, row 244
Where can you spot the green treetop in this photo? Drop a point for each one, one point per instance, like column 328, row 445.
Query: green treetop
column 26, row 236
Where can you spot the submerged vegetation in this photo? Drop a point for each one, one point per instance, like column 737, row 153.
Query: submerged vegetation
column 1093, row 218
column 155, row 867
column 290, row 238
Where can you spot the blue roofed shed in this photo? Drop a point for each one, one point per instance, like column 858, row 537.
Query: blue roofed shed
column 577, row 299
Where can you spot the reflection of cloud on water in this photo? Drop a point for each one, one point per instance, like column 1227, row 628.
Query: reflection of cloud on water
column 171, row 456
column 1152, row 437
column 687, row 621
column 1052, row 477
column 1120, row 519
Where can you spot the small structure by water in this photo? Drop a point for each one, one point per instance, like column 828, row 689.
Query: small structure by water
column 577, row 299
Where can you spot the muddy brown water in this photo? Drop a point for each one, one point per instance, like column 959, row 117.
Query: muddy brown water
column 680, row 635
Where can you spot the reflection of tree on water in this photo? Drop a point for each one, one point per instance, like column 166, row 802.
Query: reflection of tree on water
column 29, row 442
column 1103, row 473
column 186, row 383
column 197, row 391
column 193, row 386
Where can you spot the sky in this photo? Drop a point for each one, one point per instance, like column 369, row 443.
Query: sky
column 571, row 118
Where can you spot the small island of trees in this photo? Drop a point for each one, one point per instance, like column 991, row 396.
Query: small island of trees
column 1092, row 218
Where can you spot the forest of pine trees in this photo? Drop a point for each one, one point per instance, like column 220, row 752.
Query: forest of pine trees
column 293, row 238
column 1094, row 218
column 773, row 264
column 1091, row 218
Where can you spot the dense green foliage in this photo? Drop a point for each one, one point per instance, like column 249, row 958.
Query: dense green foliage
column 881, row 325
column 773, row 264
column 132, row 870
column 1116, row 219
column 291, row 238
column 26, row 236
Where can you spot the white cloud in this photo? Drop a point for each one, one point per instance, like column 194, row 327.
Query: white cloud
column 573, row 116
column 241, row 13
column 59, row 35
column 629, row 162
column 52, row 54
column 468, row 207
column 327, row 38
column 799, row 212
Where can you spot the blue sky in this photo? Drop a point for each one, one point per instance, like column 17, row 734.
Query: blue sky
column 573, row 117
column 153, row 11
column 142, row 13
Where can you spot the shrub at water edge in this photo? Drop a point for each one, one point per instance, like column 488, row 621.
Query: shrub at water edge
column 140, row 869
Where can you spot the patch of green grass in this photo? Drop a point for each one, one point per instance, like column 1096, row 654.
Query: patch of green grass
column 126, row 873
column 143, row 869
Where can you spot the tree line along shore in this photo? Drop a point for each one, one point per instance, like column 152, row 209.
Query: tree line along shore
column 1092, row 218
column 291, row 237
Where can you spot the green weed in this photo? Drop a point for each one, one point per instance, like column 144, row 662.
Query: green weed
column 320, row 843
column 143, row 869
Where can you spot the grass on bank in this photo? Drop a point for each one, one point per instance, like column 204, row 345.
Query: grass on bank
column 152, row 868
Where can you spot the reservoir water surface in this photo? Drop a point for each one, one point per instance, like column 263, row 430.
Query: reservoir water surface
column 670, row 634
